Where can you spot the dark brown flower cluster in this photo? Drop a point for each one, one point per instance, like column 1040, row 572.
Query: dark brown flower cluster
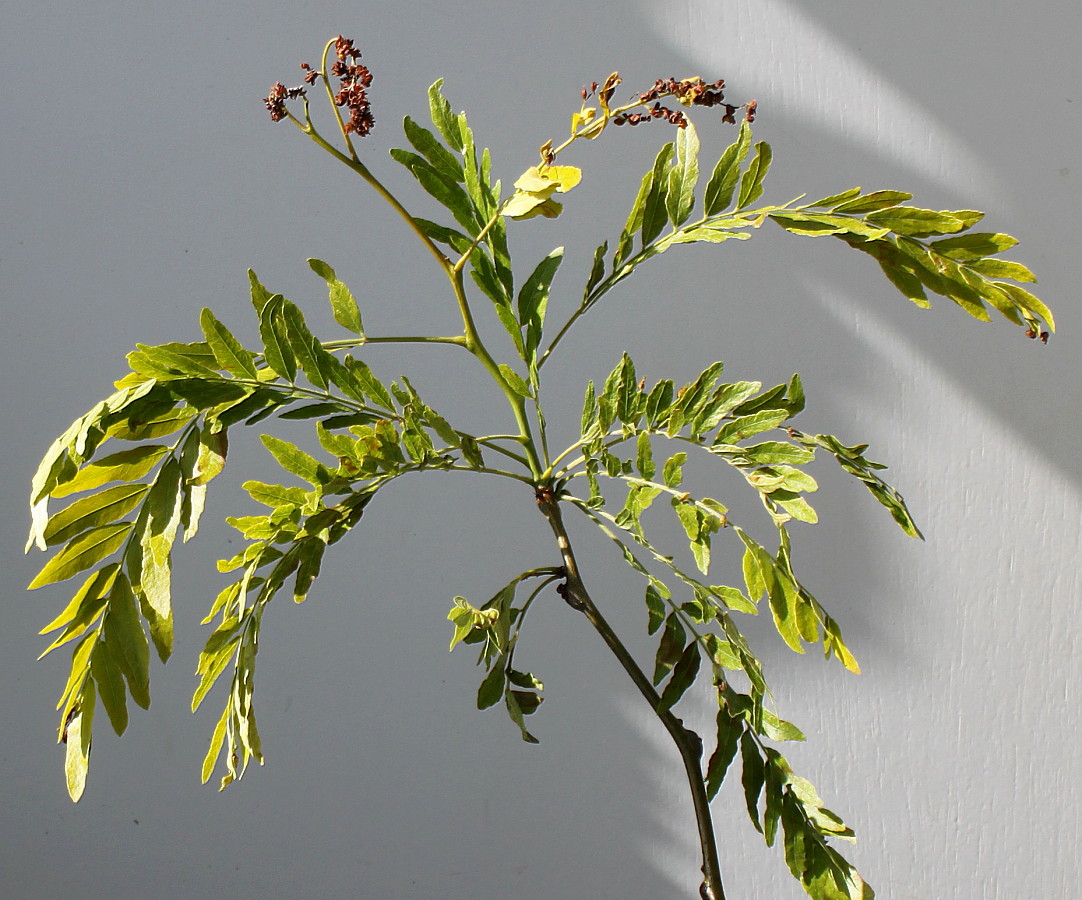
column 275, row 101
column 657, row 111
column 353, row 83
column 1031, row 334
column 354, row 80
column 689, row 92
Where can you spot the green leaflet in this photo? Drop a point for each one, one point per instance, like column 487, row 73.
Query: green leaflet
column 751, row 183
column 161, row 517
column 533, row 300
column 872, row 202
column 1002, row 268
column 98, row 509
column 85, row 607
column 446, row 122
column 216, row 655
column 110, row 685
column 634, row 222
column 819, row 224
column 719, row 190
column 915, row 222
column 683, row 676
column 296, row 461
column 76, row 736
column 443, row 189
column 752, row 778
column 654, row 215
column 729, row 731
column 277, row 352
column 275, row 495
column 426, row 143
column 125, row 465
column 227, row 350
column 597, row 270
column 164, row 363
column 514, row 381
column 834, row 200
column 343, row 305
column 683, row 176
column 302, row 344
column 81, row 553
column 671, row 647
column 748, row 426
column 784, row 600
column 123, row 632
column 372, row 386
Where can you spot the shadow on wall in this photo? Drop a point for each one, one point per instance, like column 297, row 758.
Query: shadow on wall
column 861, row 108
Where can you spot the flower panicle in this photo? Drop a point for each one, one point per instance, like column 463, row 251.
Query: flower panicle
column 354, row 80
column 687, row 92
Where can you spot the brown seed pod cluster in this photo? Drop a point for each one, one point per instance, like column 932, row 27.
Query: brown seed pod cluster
column 275, row 101
column 687, row 91
column 353, row 81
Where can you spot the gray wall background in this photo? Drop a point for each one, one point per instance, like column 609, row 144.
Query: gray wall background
column 142, row 177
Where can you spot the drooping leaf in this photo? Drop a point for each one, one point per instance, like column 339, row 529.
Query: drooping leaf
column 671, row 647
column 110, row 686
column 82, row 552
column 77, row 735
column 491, row 689
column 89, row 512
column 729, row 730
column 683, row 676
column 84, row 609
column 123, row 632
column 753, row 777
column 125, row 465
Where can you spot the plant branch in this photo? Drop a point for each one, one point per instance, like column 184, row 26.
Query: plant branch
column 348, row 344
column 687, row 742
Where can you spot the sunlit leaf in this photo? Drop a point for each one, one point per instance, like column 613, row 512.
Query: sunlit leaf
column 719, row 190
column 89, row 512
column 751, row 183
column 125, row 465
column 343, row 305
column 81, row 553
column 227, row 349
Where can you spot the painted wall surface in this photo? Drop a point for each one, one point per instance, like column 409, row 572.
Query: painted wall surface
column 142, row 177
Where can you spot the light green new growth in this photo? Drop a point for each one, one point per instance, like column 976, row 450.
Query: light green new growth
column 164, row 436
